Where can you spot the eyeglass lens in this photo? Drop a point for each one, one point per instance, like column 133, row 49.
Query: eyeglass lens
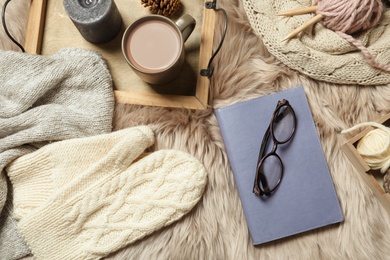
column 270, row 172
column 283, row 124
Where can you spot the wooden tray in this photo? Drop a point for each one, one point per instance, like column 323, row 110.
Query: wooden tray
column 368, row 175
column 50, row 29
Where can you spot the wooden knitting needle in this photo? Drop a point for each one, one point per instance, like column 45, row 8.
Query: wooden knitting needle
column 305, row 10
column 307, row 24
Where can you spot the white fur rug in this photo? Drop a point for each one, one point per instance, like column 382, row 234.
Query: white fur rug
column 216, row 227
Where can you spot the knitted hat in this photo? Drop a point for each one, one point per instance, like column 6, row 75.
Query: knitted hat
column 44, row 99
column 321, row 54
column 86, row 198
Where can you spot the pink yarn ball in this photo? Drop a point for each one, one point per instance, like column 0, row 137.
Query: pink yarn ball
column 350, row 16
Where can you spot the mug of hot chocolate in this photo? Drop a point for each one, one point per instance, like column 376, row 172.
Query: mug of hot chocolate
column 153, row 46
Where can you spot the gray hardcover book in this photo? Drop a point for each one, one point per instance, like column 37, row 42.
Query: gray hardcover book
column 306, row 197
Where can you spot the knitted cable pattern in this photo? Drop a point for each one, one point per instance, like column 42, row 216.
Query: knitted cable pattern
column 85, row 198
column 346, row 17
column 36, row 176
column 118, row 210
column 321, row 53
column 45, row 99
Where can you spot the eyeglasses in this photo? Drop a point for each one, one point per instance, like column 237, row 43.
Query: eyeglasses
column 269, row 171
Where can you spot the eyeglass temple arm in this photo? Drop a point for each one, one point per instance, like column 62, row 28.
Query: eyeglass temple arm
column 264, row 143
column 261, row 155
column 268, row 132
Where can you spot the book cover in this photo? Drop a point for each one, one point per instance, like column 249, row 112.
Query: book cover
column 306, row 198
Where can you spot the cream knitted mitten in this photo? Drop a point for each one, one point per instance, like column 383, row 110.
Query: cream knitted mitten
column 36, row 176
column 106, row 201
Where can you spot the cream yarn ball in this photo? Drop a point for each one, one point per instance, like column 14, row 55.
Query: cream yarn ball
column 374, row 147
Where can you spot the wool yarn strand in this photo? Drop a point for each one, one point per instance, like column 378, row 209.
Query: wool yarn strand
column 346, row 17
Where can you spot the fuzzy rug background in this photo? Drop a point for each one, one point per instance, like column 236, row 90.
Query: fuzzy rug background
column 216, row 227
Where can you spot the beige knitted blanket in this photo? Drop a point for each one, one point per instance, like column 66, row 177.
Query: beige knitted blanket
column 319, row 52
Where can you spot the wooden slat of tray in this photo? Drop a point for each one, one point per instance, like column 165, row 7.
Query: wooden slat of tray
column 349, row 148
column 137, row 92
column 35, row 24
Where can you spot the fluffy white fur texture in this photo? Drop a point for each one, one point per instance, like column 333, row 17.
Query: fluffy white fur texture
column 216, row 228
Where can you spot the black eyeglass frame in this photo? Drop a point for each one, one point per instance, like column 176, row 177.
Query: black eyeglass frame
column 260, row 177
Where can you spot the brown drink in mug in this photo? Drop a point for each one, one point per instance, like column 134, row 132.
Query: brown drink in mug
column 153, row 46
